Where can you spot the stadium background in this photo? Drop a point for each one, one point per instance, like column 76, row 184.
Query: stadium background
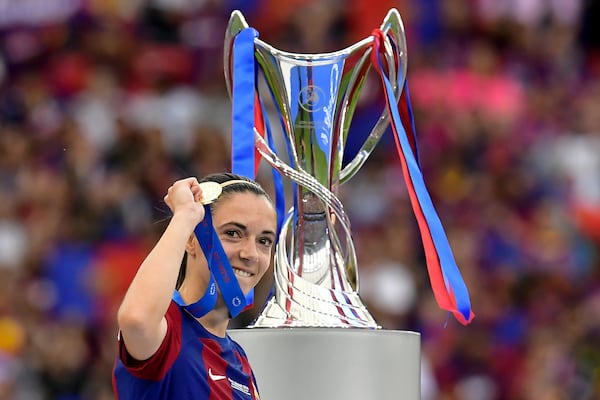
column 104, row 103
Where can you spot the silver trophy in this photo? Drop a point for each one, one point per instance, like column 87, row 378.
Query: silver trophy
column 315, row 95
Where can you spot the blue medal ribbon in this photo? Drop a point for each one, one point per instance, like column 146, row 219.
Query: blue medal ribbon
column 221, row 275
column 219, row 266
column 203, row 306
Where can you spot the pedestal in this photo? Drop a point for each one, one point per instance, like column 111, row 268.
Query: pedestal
column 333, row 363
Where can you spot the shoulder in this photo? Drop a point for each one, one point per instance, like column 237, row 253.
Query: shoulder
column 156, row 367
column 236, row 346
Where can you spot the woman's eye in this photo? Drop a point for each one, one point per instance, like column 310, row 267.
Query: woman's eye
column 233, row 234
column 266, row 242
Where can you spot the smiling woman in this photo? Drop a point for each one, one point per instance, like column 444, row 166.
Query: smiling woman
column 173, row 342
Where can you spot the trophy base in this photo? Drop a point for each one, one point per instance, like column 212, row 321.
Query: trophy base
column 351, row 314
column 333, row 363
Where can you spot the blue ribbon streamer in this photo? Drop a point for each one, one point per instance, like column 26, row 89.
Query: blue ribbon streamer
column 450, row 272
column 277, row 179
column 242, row 129
column 411, row 117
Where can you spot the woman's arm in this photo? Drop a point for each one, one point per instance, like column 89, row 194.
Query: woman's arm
column 141, row 316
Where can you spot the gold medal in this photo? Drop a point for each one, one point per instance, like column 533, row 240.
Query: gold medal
column 210, row 192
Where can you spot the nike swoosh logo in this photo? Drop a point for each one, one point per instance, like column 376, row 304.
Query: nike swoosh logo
column 215, row 377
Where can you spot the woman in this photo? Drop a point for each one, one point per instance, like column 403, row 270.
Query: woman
column 166, row 351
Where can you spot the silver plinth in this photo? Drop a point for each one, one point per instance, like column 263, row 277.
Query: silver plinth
column 333, row 363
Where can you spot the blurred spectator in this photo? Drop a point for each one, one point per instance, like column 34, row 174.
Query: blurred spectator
column 104, row 103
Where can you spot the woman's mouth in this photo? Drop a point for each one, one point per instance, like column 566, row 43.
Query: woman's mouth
column 244, row 274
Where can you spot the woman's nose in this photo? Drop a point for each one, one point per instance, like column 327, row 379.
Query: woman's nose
column 249, row 251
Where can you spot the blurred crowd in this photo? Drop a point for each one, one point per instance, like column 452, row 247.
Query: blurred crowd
column 104, row 103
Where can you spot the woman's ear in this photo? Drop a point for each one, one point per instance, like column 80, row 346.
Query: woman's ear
column 192, row 245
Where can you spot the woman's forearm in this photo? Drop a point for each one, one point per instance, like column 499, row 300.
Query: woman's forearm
column 151, row 290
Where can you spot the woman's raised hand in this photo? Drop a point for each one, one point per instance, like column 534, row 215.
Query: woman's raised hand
column 184, row 197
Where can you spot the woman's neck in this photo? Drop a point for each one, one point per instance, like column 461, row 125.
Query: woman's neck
column 216, row 321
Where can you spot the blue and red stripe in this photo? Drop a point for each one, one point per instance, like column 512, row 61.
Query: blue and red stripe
column 448, row 286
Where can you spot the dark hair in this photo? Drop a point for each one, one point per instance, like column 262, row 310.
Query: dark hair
column 244, row 185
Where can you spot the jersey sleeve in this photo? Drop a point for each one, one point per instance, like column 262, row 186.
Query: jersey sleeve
column 156, row 367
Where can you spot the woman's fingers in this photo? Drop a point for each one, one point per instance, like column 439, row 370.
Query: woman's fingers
column 185, row 193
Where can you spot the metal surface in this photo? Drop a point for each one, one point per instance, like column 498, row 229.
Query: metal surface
column 333, row 363
column 315, row 95
column 210, row 192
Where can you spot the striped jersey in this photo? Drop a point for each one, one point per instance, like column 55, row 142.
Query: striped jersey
column 191, row 363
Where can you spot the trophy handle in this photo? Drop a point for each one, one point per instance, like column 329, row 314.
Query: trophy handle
column 396, row 59
column 395, row 56
column 327, row 197
column 236, row 24
column 303, row 178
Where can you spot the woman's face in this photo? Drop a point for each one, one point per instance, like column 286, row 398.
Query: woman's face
column 246, row 224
